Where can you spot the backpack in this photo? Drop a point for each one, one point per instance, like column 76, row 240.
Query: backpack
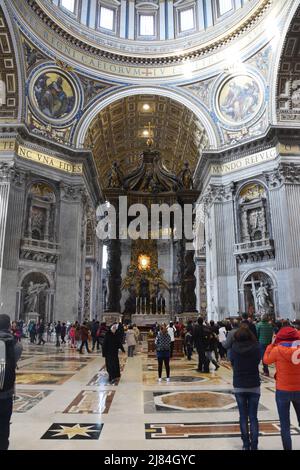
column 7, row 363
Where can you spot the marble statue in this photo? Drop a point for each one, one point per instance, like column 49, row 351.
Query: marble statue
column 263, row 298
column 32, row 296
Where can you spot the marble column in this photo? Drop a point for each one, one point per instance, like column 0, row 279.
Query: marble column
column 4, row 192
column 222, row 284
column 69, row 265
column 189, row 282
column 14, row 198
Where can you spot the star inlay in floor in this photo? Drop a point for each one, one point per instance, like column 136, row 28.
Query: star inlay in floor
column 73, row 431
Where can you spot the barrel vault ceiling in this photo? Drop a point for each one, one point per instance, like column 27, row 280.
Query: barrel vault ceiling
column 117, row 133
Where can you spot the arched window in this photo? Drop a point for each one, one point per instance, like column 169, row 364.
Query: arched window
column 224, row 6
column 69, row 5
column 2, row 93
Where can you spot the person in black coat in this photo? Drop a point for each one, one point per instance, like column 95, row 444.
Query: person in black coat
column 10, row 353
column 201, row 342
column 245, row 359
column 110, row 350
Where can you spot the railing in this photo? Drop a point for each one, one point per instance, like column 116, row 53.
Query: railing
column 255, row 245
column 29, row 243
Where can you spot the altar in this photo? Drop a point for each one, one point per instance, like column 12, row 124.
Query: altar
column 151, row 275
column 150, row 320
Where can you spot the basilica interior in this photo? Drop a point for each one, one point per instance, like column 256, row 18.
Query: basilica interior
column 107, row 106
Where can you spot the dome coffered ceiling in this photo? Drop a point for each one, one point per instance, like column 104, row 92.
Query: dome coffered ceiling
column 120, row 133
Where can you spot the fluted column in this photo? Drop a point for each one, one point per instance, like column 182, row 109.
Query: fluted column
column 13, row 211
column 69, row 265
column 4, row 191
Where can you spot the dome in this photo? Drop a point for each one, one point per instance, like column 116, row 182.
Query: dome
column 151, row 27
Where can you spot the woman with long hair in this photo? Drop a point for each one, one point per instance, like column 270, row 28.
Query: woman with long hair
column 245, row 359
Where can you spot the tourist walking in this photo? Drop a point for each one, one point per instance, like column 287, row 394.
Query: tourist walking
column 171, row 332
column 245, row 359
column 49, row 332
column 32, row 331
column 163, row 351
column 63, row 333
column 10, row 353
column 137, row 339
column 264, row 336
column 130, row 340
column 77, row 335
column 95, row 336
column 40, row 332
column 72, row 334
column 210, row 348
column 188, row 344
column 84, row 335
column 201, row 341
column 58, row 333
column 227, row 344
column 110, row 350
column 285, row 354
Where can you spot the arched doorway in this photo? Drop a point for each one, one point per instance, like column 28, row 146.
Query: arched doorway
column 118, row 136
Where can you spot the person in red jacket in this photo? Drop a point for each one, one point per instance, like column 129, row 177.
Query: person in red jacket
column 285, row 353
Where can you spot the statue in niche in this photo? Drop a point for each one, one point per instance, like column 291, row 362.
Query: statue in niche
column 253, row 213
column 263, row 299
column 31, row 299
column 186, row 176
column 115, row 178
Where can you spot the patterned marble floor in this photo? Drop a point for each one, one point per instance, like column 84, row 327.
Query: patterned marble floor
column 66, row 397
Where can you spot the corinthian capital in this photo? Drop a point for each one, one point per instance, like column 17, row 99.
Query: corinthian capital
column 72, row 193
column 10, row 173
column 287, row 173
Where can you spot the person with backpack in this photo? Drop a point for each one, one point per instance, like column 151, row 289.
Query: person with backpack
column 163, row 351
column 284, row 352
column 10, row 353
column 264, row 336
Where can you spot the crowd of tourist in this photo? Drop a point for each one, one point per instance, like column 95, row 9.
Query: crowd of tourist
column 244, row 342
